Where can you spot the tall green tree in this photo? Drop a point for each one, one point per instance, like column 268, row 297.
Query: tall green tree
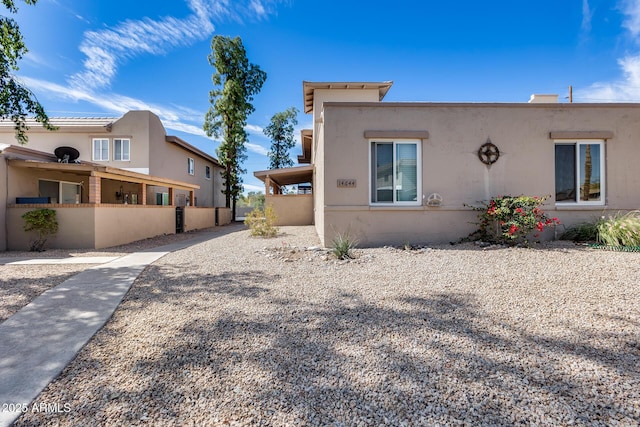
column 16, row 100
column 280, row 130
column 235, row 82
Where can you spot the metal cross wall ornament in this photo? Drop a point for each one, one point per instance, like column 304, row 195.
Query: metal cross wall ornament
column 488, row 153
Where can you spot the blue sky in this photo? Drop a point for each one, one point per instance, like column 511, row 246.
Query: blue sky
column 103, row 58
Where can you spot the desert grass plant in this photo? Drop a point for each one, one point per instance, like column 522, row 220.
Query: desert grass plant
column 620, row 230
column 44, row 223
column 262, row 222
column 342, row 246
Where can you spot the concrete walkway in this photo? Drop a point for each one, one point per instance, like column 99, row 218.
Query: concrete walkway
column 69, row 260
column 38, row 342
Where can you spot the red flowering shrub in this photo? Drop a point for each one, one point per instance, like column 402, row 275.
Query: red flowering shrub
column 509, row 219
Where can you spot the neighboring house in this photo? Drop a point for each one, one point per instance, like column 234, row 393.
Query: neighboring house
column 128, row 162
column 394, row 173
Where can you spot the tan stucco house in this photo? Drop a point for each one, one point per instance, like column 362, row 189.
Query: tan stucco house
column 111, row 181
column 398, row 172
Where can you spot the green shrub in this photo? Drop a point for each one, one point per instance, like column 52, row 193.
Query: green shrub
column 620, row 230
column 585, row 232
column 43, row 222
column 262, row 222
column 509, row 219
column 342, row 246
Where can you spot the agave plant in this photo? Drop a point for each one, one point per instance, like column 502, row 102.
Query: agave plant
column 342, row 246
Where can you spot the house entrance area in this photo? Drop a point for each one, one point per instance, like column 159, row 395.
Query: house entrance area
column 290, row 209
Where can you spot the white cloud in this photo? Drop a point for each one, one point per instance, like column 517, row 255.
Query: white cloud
column 36, row 59
column 172, row 118
column 586, row 16
column 627, row 87
column 631, row 8
column 183, row 127
column 251, row 187
column 258, row 149
column 106, row 49
column 257, row 7
column 82, row 18
column 254, row 128
column 177, row 118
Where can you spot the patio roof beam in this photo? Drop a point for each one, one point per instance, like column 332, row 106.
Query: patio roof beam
column 139, row 180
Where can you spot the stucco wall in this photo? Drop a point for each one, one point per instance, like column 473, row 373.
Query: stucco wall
column 3, row 203
column 292, row 209
column 138, row 126
column 87, row 226
column 170, row 161
column 197, row 218
column 76, row 228
column 224, row 216
column 398, row 227
column 318, row 158
column 450, row 165
column 133, row 125
column 116, row 225
column 47, row 141
column 320, row 96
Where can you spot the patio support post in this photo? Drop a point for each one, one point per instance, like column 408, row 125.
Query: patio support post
column 267, row 185
column 192, row 199
column 143, row 193
column 95, row 190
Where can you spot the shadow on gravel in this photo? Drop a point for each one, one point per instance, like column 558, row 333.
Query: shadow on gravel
column 172, row 284
column 24, row 290
column 433, row 359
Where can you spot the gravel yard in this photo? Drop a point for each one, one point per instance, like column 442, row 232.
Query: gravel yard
column 21, row 284
column 247, row 331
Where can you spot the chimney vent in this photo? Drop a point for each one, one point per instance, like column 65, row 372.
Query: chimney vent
column 543, row 99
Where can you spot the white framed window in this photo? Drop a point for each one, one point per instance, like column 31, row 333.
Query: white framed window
column 100, row 149
column 122, row 149
column 60, row 191
column 162, row 199
column 190, row 166
column 396, row 175
column 207, row 172
column 580, row 172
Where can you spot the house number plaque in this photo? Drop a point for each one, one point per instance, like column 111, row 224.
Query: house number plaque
column 346, row 183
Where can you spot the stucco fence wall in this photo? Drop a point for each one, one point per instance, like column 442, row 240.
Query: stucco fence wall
column 95, row 227
column 197, row 218
column 224, row 216
column 292, row 209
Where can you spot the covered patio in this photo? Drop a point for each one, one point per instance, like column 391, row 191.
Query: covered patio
column 105, row 184
column 99, row 206
column 291, row 209
column 275, row 179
